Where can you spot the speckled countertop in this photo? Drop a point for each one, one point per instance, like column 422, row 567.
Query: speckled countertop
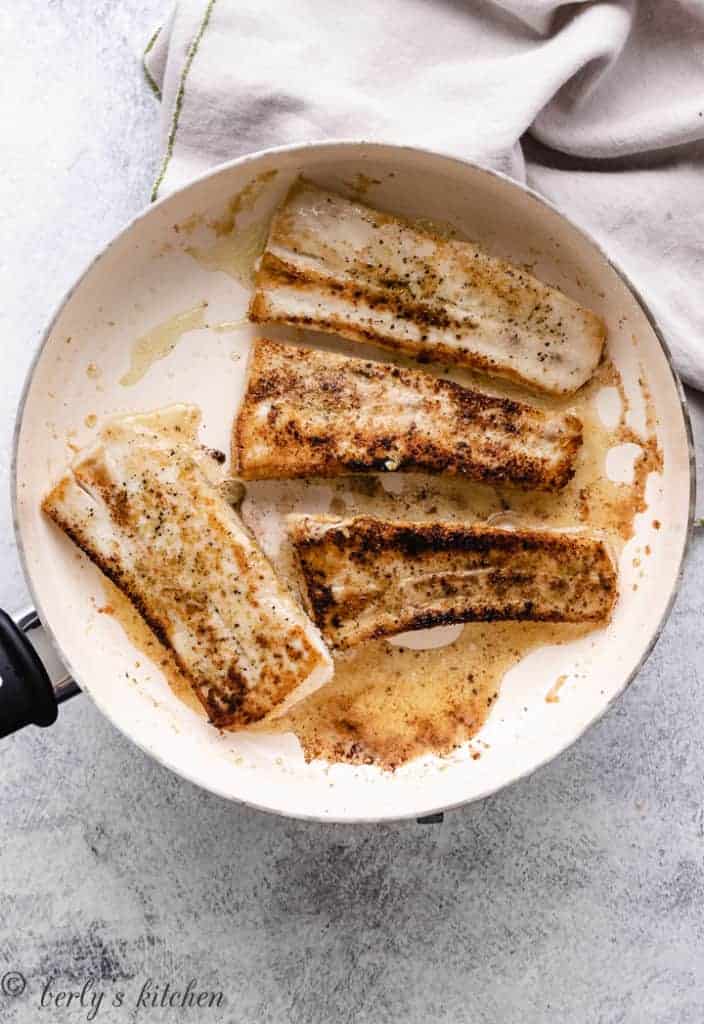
column 576, row 896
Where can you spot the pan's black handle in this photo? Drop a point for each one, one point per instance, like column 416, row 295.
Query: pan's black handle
column 27, row 694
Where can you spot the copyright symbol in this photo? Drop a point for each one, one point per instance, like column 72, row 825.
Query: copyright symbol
column 13, row 984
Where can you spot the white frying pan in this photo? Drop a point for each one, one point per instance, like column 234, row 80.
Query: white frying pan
column 145, row 277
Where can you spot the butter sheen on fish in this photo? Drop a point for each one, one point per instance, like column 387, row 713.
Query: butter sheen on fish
column 144, row 504
column 332, row 264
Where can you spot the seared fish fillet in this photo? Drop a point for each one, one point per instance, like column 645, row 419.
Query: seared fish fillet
column 313, row 413
column 144, row 505
column 335, row 265
column 368, row 578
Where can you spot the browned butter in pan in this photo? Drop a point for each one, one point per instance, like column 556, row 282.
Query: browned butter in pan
column 388, row 704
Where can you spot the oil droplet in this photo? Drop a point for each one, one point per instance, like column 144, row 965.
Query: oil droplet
column 229, row 325
column 189, row 225
column 246, row 199
column 234, row 254
column 609, row 406
column 361, row 183
column 160, row 341
column 438, row 228
column 552, row 696
column 621, row 462
column 237, row 247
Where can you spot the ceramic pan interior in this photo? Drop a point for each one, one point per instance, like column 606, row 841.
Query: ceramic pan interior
column 145, row 277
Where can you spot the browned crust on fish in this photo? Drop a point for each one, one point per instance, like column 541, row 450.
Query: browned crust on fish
column 110, row 567
column 312, row 413
column 156, row 592
column 457, row 573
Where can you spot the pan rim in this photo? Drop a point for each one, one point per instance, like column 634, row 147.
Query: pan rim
column 380, row 145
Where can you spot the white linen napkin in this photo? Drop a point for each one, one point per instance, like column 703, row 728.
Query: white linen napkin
column 598, row 105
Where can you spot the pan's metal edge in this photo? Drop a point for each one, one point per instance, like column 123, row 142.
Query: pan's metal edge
column 432, row 808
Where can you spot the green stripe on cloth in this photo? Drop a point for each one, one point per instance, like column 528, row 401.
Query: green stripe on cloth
column 192, row 50
column 147, row 73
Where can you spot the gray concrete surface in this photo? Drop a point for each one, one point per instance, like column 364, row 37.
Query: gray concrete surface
column 576, row 896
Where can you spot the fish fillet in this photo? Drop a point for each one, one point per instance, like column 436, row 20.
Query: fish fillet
column 335, row 265
column 312, row 413
column 144, row 505
column 367, row 578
